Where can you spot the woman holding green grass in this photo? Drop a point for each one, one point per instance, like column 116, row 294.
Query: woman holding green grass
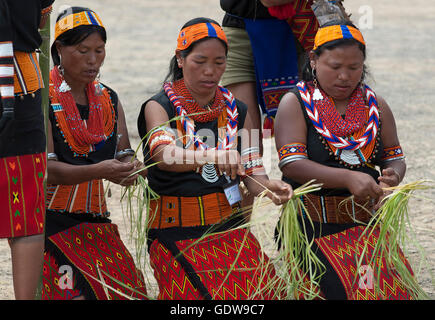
column 197, row 246
column 87, row 142
column 333, row 128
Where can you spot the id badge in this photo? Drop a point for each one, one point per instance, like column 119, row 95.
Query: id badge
column 232, row 191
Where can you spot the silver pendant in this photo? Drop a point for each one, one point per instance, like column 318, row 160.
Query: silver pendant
column 209, row 173
column 317, row 95
column 64, row 87
column 350, row 157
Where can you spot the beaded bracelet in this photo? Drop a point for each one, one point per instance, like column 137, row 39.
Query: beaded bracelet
column 252, row 161
column 392, row 153
column 292, row 152
column 160, row 136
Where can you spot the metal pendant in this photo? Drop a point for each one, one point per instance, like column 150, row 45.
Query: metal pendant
column 317, row 95
column 208, row 173
column 64, row 87
column 350, row 157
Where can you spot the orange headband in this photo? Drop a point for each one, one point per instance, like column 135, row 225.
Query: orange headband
column 75, row 20
column 199, row 31
column 331, row 33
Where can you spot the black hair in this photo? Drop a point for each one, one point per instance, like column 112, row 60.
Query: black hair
column 76, row 35
column 307, row 72
column 175, row 73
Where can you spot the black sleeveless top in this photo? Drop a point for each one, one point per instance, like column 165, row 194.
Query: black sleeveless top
column 318, row 151
column 105, row 150
column 183, row 184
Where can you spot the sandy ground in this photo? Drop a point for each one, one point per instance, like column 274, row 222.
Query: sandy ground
column 401, row 57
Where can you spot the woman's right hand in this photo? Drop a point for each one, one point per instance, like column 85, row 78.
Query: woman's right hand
column 363, row 186
column 229, row 162
column 118, row 172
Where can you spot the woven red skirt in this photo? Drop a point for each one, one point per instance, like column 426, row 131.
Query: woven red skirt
column 22, row 196
column 223, row 266
column 345, row 279
column 90, row 259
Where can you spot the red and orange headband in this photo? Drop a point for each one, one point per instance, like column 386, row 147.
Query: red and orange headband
column 197, row 32
column 336, row 32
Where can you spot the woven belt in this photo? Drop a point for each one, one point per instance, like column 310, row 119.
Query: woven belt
column 168, row 212
column 87, row 197
column 27, row 77
column 334, row 209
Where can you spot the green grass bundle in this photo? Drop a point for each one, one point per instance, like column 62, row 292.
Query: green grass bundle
column 395, row 233
column 296, row 264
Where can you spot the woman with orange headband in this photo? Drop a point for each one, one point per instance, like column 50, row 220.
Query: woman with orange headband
column 87, row 142
column 329, row 129
column 197, row 248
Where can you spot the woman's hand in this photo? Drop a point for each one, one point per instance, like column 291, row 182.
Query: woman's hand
column 389, row 178
column 280, row 192
column 363, row 186
column 229, row 162
column 118, row 172
column 139, row 166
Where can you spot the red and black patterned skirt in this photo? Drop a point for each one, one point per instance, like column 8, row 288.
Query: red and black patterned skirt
column 223, row 266
column 90, row 260
column 22, row 197
column 339, row 247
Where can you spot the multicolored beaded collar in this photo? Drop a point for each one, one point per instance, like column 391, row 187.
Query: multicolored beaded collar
column 357, row 146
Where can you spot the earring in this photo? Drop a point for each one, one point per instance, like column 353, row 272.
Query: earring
column 317, row 95
column 64, row 87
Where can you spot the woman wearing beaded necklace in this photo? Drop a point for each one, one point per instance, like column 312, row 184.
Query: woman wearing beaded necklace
column 199, row 163
column 87, row 142
column 333, row 128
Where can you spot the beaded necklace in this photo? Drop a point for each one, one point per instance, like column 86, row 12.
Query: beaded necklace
column 352, row 141
column 355, row 115
column 82, row 136
column 227, row 118
column 196, row 112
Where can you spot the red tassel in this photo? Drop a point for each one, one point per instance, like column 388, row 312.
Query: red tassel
column 282, row 12
column 268, row 127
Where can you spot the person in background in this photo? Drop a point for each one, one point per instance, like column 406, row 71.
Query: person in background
column 22, row 140
column 266, row 41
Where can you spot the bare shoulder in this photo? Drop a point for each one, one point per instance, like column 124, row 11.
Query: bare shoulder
column 289, row 106
column 385, row 110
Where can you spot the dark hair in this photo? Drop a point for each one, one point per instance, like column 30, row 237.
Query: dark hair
column 307, row 72
column 76, row 35
column 175, row 73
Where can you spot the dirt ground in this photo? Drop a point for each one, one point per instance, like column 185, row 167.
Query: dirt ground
column 401, row 58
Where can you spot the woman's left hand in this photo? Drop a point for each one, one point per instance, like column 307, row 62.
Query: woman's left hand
column 279, row 191
column 389, row 178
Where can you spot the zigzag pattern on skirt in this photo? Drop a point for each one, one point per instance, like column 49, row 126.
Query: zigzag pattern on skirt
column 210, row 261
column 342, row 249
column 88, row 248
